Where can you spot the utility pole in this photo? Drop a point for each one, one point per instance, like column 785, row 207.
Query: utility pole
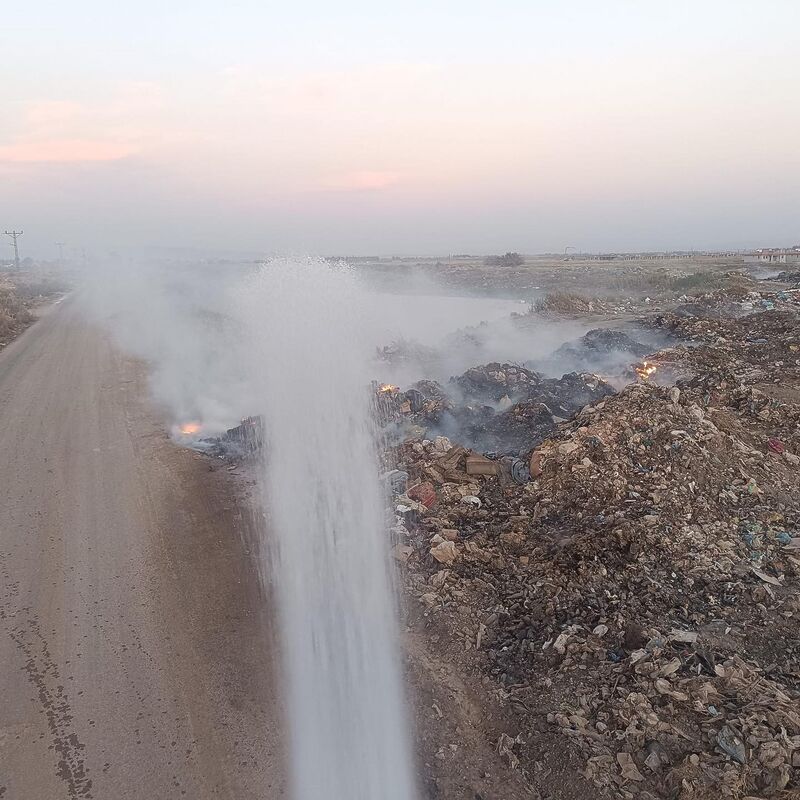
column 60, row 246
column 13, row 235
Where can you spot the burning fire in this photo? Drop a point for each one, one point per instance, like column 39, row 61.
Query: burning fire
column 645, row 370
column 388, row 387
column 190, row 428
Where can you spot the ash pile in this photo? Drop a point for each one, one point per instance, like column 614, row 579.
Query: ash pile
column 504, row 409
column 602, row 348
column 626, row 578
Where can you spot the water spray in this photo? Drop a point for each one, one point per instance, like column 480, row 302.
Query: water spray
column 325, row 510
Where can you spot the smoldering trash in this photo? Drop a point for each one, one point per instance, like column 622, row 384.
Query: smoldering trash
column 624, row 563
column 616, row 546
column 242, row 441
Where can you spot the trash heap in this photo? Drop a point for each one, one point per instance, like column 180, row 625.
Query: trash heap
column 504, row 384
column 631, row 581
column 494, row 382
column 412, row 412
column 598, row 346
column 730, row 304
column 499, row 408
column 528, row 422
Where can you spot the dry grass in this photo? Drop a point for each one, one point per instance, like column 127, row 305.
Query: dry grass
column 664, row 282
column 563, row 303
column 35, row 289
column 14, row 314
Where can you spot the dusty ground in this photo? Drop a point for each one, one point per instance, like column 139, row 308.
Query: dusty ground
column 136, row 651
column 622, row 276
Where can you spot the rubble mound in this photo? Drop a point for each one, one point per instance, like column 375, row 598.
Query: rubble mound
column 639, row 594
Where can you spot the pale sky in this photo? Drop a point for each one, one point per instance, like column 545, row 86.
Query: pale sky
column 350, row 128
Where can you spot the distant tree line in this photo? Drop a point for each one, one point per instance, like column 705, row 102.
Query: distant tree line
column 506, row 260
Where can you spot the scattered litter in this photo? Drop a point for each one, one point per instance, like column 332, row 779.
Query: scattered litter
column 730, row 743
column 612, row 555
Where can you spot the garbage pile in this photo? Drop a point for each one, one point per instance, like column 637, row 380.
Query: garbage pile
column 514, row 431
column 411, row 412
column 527, row 423
column 505, row 384
column 732, row 303
column 493, row 382
column 759, row 347
column 631, row 578
column 600, row 345
column 499, row 408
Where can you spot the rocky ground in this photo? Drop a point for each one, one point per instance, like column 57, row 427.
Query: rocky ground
column 612, row 576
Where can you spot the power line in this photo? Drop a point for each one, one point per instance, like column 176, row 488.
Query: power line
column 13, row 235
column 60, row 246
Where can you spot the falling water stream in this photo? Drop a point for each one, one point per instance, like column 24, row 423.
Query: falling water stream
column 329, row 564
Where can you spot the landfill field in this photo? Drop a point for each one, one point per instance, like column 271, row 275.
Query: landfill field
column 598, row 547
column 589, row 502
column 609, row 558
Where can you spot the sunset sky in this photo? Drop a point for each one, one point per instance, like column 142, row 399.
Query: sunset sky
column 355, row 127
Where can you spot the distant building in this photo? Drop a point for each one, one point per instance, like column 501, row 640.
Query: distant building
column 779, row 255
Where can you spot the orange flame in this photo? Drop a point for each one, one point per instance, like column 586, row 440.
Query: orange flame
column 190, row 428
column 645, row 370
column 388, row 387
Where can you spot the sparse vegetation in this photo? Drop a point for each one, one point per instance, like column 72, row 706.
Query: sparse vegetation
column 18, row 296
column 662, row 281
column 46, row 287
column 562, row 303
column 506, row 260
column 14, row 314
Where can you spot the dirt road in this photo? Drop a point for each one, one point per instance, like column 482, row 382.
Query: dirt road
column 135, row 658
